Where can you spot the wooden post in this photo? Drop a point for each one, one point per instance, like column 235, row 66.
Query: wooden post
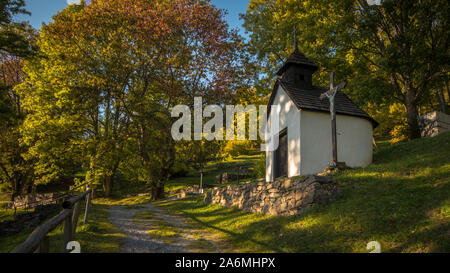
column 88, row 204
column 75, row 216
column 374, row 143
column 38, row 239
column 201, row 179
column 330, row 94
column 44, row 245
column 67, row 230
column 334, row 137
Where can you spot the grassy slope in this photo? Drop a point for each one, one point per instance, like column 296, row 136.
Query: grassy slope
column 210, row 172
column 99, row 235
column 402, row 201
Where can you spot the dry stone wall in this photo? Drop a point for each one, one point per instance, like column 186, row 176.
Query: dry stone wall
column 33, row 199
column 281, row 197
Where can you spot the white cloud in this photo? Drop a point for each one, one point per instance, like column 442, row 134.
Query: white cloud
column 70, row 2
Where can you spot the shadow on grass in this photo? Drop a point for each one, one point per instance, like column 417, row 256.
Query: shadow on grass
column 97, row 236
column 401, row 201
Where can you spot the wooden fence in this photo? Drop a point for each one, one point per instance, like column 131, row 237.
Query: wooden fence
column 39, row 240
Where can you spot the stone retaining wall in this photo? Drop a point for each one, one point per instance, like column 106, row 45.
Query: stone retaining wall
column 29, row 220
column 281, row 197
column 182, row 193
column 32, row 200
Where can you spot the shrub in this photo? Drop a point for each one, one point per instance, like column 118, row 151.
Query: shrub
column 235, row 148
column 260, row 167
column 397, row 114
column 392, row 120
column 179, row 169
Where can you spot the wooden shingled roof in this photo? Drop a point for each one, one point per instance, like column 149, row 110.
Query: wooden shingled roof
column 307, row 96
column 309, row 99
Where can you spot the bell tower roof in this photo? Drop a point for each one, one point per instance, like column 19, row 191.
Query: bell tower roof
column 299, row 59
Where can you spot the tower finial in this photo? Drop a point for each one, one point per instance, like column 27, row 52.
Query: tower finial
column 295, row 38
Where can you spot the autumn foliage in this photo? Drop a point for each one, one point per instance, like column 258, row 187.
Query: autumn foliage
column 108, row 72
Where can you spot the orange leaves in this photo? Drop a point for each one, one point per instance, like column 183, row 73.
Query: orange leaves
column 180, row 46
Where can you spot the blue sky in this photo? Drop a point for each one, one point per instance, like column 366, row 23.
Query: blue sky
column 43, row 10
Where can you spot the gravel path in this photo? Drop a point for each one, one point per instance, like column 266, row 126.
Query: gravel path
column 138, row 240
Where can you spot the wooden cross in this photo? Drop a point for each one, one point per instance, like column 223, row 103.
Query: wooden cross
column 330, row 94
column 295, row 38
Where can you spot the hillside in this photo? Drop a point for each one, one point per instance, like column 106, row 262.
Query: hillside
column 402, row 201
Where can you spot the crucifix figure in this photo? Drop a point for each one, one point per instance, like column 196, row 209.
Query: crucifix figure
column 330, row 94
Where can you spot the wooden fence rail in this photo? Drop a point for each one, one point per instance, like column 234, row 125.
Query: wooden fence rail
column 38, row 239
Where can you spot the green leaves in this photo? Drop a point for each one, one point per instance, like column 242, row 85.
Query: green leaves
column 100, row 90
column 393, row 51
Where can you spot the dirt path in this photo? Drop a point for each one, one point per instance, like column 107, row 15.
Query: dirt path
column 152, row 230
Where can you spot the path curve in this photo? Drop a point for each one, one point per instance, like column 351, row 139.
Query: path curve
column 138, row 240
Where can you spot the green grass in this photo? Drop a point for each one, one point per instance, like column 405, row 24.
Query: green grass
column 210, row 172
column 5, row 196
column 158, row 229
column 401, row 201
column 165, row 233
column 98, row 235
column 8, row 214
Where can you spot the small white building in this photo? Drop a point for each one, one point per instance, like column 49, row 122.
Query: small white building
column 434, row 123
column 305, row 145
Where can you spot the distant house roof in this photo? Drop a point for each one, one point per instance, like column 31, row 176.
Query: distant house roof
column 297, row 57
column 309, row 99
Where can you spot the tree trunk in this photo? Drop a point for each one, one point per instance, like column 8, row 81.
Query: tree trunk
column 19, row 187
column 201, row 177
column 14, row 194
column 441, row 100
column 448, row 90
column 108, row 185
column 412, row 114
column 157, row 191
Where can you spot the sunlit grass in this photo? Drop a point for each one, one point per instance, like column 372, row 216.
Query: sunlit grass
column 210, row 172
column 158, row 229
column 401, row 201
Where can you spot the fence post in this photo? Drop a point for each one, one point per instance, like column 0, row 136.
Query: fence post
column 44, row 245
column 75, row 216
column 68, row 230
column 88, row 204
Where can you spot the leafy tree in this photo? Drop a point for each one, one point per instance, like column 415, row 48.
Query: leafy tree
column 198, row 153
column 111, row 72
column 392, row 51
column 11, row 40
column 16, row 42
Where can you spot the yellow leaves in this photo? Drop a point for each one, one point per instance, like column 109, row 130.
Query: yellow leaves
column 350, row 57
column 399, row 132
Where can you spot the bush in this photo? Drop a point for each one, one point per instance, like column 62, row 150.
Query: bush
column 179, row 169
column 397, row 114
column 235, row 148
column 260, row 167
column 5, row 187
column 392, row 120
